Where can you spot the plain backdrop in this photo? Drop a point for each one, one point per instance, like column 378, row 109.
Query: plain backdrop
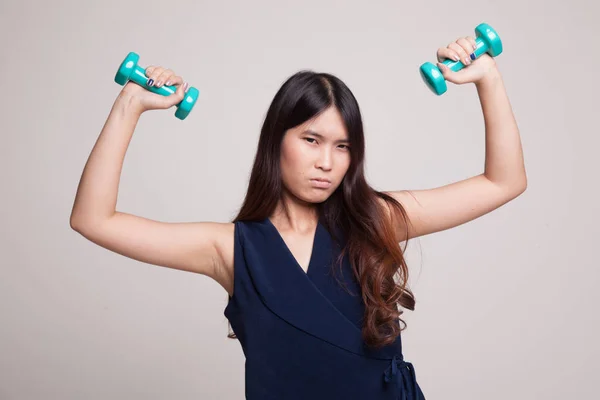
column 507, row 305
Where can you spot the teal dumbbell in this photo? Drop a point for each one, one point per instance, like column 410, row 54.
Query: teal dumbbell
column 487, row 41
column 131, row 71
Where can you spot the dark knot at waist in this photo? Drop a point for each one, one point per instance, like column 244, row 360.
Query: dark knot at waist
column 404, row 374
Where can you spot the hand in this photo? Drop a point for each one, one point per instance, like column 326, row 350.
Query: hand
column 474, row 71
column 145, row 100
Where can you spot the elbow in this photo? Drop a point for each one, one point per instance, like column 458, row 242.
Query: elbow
column 76, row 224
column 522, row 184
column 77, row 220
column 85, row 221
column 73, row 222
column 81, row 225
column 514, row 188
column 517, row 189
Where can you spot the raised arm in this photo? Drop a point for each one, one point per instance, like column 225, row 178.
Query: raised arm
column 504, row 177
column 201, row 247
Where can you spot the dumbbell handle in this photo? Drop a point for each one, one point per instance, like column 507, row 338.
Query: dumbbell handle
column 129, row 70
column 138, row 75
column 487, row 41
column 481, row 47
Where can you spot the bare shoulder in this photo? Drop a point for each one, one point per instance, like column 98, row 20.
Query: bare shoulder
column 224, row 243
column 392, row 217
column 385, row 206
column 201, row 247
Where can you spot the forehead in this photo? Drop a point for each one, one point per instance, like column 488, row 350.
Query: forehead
column 329, row 124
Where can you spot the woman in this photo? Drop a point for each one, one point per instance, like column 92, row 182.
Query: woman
column 311, row 263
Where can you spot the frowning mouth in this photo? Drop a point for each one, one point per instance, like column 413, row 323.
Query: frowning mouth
column 321, row 180
column 321, row 183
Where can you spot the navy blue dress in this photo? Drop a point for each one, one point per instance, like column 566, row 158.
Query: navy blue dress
column 301, row 331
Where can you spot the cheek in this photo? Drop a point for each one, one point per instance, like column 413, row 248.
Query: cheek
column 296, row 157
column 293, row 165
column 344, row 165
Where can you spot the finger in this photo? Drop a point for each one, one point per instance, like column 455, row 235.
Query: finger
column 153, row 74
column 464, row 57
column 149, row 70
column 175, row 98
column 163, row 77
column 445, row 53
column 174, row 80
column 467, row 46
column 473, row 41
column 451, row 76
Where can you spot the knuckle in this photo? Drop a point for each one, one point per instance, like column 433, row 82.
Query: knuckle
column 467, row 43
column 460, row 52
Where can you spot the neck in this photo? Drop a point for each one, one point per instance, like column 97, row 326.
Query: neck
column 300, row 217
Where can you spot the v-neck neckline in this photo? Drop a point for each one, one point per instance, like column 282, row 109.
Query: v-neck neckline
column 287, row 248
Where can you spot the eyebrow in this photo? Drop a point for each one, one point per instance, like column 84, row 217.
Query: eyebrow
column 311, row 132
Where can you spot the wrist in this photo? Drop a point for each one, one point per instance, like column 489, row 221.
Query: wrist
column 491, row 76
column 128, row 104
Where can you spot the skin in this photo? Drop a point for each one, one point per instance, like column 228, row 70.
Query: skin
column 304, row 156
column 207, row 247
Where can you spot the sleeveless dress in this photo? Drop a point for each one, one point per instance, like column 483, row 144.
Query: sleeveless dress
column 301, row 331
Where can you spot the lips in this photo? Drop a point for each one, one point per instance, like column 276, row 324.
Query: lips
column 320, row 183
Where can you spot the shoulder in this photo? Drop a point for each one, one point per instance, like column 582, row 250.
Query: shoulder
column 397, row 218
column 224, row 243
column 384, row 205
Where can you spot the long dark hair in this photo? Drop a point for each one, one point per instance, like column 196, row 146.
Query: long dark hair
column 354, row 207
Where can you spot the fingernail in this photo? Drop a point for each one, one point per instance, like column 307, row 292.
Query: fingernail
column 168, row 83
column 473, row 56
column 150, row 82
column 185, row 87
column 158, row 83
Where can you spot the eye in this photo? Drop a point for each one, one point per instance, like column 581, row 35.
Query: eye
column 345, row 147
column 309, row 139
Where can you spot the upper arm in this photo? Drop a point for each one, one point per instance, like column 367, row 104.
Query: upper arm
column 445, row 207
column 202, row 247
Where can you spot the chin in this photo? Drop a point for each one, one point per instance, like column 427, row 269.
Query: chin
column 324, row 196
column 312, row 198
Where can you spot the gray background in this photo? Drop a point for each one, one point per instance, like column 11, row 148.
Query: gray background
column 507, row 305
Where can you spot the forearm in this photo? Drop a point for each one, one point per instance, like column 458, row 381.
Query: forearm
column 504, row 162
column 96, row 196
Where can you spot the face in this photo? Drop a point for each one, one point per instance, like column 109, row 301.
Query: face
column 319, row 148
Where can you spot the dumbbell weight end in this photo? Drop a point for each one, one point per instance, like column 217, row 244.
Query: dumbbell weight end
column 487, row 41
column 129, row 70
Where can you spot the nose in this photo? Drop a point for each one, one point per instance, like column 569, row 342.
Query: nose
column 325, row 159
